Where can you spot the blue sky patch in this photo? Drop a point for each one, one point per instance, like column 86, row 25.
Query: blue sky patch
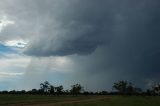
column 5, row 50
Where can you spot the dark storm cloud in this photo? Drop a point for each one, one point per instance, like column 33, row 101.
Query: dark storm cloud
column 81, row 26
column 127, row 33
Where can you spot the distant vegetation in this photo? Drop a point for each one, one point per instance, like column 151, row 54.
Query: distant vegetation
column 119, row 88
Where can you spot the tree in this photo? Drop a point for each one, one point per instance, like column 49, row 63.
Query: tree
column 124, row 87
column 120, row 86
column 59, row 90
column 156, row 89
column 34, row 91
column 76, row 89
column 103, row 93
column 52, row 89
column 45, row 86
column 150, row 92
column 138, row 91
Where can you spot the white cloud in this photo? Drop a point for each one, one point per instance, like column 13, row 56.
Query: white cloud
column 8, row 74
column 16, row 43
column 4, row 22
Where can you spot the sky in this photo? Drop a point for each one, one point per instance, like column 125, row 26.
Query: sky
column 91, row 42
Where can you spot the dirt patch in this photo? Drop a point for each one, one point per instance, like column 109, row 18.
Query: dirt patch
column 69, row 102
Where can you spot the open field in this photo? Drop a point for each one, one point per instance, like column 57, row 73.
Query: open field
column 37, row 100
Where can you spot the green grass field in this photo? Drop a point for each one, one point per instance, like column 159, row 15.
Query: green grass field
column 39, row 100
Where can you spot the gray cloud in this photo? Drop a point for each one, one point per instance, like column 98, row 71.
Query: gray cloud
column 81, row 26
column 74, row 31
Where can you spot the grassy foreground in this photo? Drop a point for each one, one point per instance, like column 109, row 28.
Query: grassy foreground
column 39, row 100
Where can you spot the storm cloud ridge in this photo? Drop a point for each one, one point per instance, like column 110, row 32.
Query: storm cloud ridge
column 85, row 25
column 77, row 30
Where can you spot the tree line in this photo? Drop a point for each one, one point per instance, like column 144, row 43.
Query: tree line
column 119, row 88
